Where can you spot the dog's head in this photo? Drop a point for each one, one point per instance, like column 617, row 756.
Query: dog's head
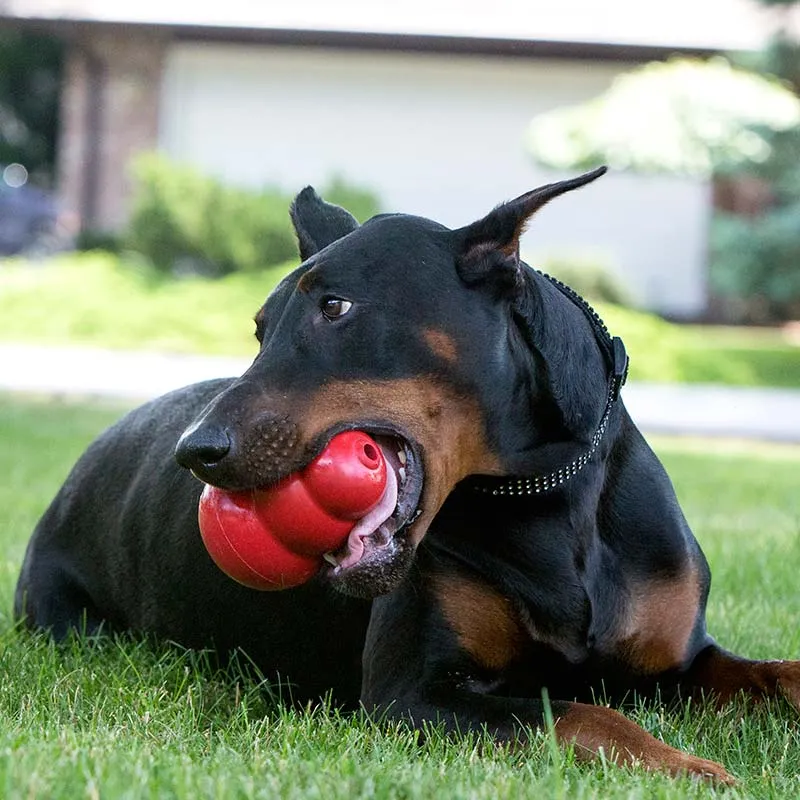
column 430, row 339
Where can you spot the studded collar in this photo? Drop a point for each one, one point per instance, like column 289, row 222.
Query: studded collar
column 617, row 361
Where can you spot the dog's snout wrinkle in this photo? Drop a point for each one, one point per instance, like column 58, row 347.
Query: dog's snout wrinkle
column 274, row 437
column 269, row 451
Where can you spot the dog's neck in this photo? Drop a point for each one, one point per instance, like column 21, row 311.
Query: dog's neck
column 616, row 359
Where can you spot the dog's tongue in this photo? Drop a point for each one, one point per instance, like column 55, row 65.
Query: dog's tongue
column 371, row 522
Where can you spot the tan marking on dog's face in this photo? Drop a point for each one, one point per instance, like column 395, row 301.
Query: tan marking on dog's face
column 308, row 280
column 483, row 620
column 259, row 317
column 449, row 428
column 662, row 616
column 441, row 344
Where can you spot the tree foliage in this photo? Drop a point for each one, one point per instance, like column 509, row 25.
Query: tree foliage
column 737, row 124
column 755, row 259
column 680, row 117
column 30, row 76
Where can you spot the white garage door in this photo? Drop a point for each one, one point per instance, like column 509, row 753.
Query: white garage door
column 433, row 135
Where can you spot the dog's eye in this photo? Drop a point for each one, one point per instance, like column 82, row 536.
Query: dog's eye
column 334, row 307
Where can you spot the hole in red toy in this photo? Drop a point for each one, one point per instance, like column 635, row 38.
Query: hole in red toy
column 371, row 452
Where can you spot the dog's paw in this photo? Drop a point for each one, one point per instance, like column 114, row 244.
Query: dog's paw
column 787, row 677
column 700, row 769
column 595, row 729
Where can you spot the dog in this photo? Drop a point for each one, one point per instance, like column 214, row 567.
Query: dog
column 536, row 544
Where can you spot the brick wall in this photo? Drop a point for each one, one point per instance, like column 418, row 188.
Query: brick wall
column 110, row 109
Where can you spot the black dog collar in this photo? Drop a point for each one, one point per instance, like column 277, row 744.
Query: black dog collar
column 617, row 359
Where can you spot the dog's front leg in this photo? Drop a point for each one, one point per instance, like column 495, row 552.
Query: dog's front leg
column 592, row 730
column 416, row 671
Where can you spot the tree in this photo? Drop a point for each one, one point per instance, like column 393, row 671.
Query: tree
column 755, row 257
column 30, row 77
column 737, row 125
column 681, row 117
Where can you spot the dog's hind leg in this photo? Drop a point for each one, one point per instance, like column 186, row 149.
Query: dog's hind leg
column 52, row 600
column 722, row 675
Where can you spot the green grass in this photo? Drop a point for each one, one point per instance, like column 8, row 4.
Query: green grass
column 97, row 299
column 126, row 718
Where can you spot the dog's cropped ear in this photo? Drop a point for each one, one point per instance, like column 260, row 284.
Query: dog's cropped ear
column 489, row 248
column 318, row 223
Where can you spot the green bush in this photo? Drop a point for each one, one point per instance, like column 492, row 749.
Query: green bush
column 187, row 222
column 360, row 202
column 105, row 241
column 590, row 279
column 755, row 262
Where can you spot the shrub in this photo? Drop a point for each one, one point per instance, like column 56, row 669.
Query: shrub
column 754, row 264
column 106, row 241
column 361, row 203
column 592, row 280
column 754, row 259
column 184, row 221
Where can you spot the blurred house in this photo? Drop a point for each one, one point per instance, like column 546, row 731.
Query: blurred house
column 426, row 102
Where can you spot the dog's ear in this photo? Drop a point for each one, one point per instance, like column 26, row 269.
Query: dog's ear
column 489, row 248
column 318, row 223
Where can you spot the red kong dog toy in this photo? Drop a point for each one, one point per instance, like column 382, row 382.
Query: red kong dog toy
column 275, row 538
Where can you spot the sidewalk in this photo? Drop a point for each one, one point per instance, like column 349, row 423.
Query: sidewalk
column 770, row 414
column 90, row 372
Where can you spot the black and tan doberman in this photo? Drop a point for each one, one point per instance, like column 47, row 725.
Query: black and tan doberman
column 537, row 542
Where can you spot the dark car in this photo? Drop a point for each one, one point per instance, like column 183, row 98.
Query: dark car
column 29, row 219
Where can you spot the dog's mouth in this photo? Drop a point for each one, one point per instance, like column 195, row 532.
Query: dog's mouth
column 377, row 550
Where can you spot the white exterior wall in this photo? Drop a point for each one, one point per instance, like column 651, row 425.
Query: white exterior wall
column 441, row 136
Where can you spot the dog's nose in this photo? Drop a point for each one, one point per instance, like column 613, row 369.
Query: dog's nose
column 202, row 448
column 253, row 450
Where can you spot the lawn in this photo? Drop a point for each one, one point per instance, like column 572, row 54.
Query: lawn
column 136, row 720
column 76, row 300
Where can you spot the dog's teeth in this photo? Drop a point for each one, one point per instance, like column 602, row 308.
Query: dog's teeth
column 401, row 455
column 402, row 474
column 331, row 559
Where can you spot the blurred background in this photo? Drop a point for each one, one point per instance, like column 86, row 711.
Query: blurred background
column 149, row 151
